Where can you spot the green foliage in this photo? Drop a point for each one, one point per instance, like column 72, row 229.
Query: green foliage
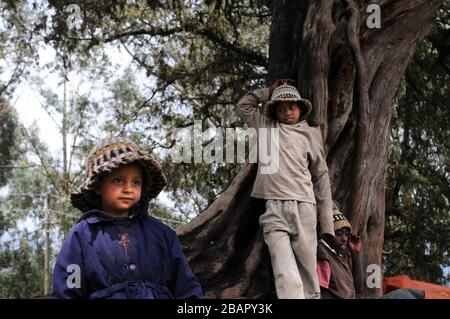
column 166, row 216
column 418, row 193
column 19, row 42
column 192, row 61
column 21, row 265
column 8, row 139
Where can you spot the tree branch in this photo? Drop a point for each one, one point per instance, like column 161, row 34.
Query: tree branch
column 47, row 173
column 362, row 99
column 155, row 31
column 194, row 28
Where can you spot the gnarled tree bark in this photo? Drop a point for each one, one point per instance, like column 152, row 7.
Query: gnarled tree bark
column 351, row 74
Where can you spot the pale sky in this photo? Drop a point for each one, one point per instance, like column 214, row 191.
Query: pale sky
column 27, row 101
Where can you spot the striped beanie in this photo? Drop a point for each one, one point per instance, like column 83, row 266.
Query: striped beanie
column 340, row 221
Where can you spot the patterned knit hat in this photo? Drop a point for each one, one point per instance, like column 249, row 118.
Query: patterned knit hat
column 340, row 221
column 288, row 93
column 108, row 155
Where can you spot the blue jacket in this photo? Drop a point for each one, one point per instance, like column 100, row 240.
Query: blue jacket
column 132, row 257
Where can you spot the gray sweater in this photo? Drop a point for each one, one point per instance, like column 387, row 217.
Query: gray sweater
column 302, row 173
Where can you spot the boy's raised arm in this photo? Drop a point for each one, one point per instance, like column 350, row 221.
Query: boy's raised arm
column 247, row 108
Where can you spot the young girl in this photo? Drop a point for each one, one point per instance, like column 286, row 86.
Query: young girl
column 116, row 250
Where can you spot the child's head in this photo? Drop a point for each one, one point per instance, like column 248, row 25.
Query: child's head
column 119, row 177
column 342, row 229
column 286, row 105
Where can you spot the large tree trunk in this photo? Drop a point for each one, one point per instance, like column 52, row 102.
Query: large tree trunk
column 351, row 74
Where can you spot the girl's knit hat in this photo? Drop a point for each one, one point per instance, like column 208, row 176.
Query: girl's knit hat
column 288, row 93
column 110, row 154
column 340, row 221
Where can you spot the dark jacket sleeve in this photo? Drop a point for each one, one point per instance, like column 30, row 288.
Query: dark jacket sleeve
column 184, row 284
column 69, row 274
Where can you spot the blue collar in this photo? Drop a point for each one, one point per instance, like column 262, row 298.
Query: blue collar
column 95, row 216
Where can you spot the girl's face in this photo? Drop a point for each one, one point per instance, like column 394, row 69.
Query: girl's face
column 288, row 112
column 121, row 189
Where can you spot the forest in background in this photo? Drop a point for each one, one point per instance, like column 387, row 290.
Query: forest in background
column 188, row 60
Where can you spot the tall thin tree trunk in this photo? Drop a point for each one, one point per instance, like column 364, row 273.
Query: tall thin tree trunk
column 47, row 246
column 65, row 130
column 351, row 74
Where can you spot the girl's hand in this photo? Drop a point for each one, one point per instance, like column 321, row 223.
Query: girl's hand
column 354, row 244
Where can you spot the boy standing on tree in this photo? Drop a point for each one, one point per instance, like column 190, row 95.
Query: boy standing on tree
column 297, row 193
